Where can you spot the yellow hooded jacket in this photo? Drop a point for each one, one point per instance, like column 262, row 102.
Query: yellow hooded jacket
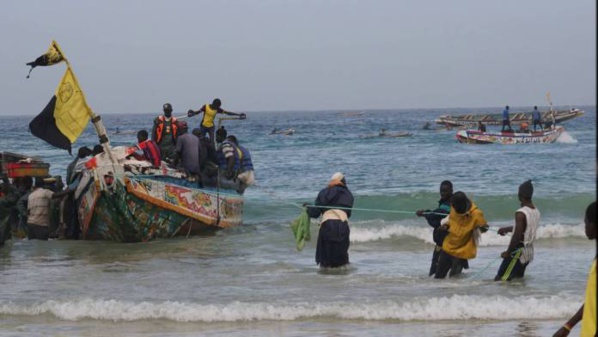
column 460, row 241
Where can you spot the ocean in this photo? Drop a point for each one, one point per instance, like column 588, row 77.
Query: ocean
column 252, row 281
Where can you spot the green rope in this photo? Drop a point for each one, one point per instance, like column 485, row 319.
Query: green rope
column 494, row 261
column 278, row 199
column 363, row 209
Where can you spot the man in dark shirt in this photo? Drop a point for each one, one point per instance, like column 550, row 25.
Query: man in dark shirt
column 187, row 150
column 434, row 217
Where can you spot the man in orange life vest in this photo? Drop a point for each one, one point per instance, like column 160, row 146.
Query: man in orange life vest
column 209, row 114
column 164, row 133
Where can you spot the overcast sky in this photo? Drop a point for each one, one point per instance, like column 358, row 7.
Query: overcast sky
column 258, row 55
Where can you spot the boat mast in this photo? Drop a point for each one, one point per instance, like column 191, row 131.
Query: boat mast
column 551, row 110
column 96, row 120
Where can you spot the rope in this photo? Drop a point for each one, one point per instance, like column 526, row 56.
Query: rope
column 278, row 199
column 494, row 261
column 486, row 267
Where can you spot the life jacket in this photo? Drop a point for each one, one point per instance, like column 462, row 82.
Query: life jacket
column 222, row 161
column 208, row 116
column 151, row 152
column 160, row 127
column 244, row 158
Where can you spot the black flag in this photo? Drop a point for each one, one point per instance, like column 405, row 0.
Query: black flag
column 51, row 57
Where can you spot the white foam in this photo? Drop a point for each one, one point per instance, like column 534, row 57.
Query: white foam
column 566, row 138
column 490, row 238
column 360, row 234
column 456, row 307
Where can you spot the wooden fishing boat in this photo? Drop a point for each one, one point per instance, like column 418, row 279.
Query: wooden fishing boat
column 478, row 137
column 122, row 199
column 14, row 165
column 516, row 119
column 129, row 201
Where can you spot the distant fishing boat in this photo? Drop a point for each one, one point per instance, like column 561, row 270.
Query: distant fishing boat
column 286, row 132
column 353, row 113
column 478, row 137
column 516, row 119
column 396, row 135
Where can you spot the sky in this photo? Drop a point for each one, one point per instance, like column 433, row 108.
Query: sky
column 287, row 55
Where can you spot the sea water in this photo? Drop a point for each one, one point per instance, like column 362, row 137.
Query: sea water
column 252, row 281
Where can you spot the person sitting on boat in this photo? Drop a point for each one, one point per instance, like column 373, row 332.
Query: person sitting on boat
column 523, row 128
column 151, row 150
column 227, row 158
column 460, row 245
column 165, row 133
column 209, row 113
column 506, row 122
column 97, row 149
column 481, row 126
column 246, row 175
column 537, row 118
column 382, row 133
column 187, row 151
column 83, row 152
column 207, row 155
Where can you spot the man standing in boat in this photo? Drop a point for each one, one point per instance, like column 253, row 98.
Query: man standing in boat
column 506, row 121
column 537, row 118
column 209, row 113
column 165, row 132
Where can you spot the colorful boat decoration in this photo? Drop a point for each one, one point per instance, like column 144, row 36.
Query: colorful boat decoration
column 129, row 201
column 478, row 137
column 516, row 119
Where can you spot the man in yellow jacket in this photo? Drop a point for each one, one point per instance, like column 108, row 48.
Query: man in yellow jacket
column 209, row 114
column 463, row 224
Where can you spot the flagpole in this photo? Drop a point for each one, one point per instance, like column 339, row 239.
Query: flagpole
column 95, row 119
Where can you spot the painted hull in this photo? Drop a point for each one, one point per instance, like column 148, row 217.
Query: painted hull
column 138, row 208
column 477, row 137
column 516, row 119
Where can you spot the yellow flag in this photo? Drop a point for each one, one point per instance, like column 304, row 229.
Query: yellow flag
column 71, row 112
column 52, row 56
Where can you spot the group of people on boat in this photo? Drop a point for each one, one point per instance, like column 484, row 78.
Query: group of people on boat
column 47, row 207
column 523, row 128
column 210, row 157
